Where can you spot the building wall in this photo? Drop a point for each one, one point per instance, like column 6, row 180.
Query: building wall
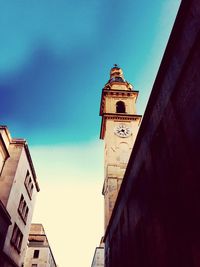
column 98, row 260
column 45, row 257
column 117, row 150
column 156, row 218
column 5, row 136
column 18, row 189
column 38, row 241
column 9, row 170
column 116, row 155
column 12, row 188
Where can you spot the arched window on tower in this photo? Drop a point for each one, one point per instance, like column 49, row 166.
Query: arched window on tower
column 120, row 107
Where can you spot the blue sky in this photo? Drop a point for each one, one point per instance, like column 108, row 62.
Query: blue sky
column 56, row 56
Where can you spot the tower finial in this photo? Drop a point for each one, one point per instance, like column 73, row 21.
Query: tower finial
column 115, row 65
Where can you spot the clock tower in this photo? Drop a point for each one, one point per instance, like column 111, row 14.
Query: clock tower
column 119, row 128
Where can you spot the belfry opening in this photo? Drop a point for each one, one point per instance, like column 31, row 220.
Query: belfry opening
column 120, row 107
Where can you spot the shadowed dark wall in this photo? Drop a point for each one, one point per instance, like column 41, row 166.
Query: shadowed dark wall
column 156, row 219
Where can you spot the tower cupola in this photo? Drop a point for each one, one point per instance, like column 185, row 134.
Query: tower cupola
column 117, row 81
column 116, row 74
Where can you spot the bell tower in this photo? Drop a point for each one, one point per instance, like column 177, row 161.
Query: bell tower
column 119, row 127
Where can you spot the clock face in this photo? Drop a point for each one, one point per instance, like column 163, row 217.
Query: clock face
column 122, row 130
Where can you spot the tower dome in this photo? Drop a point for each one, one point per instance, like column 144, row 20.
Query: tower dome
column 116, row 74
column 117, row 81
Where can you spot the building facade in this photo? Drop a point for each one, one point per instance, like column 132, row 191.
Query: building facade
column 39, row 252
column 98, row 259
column 18, row 190
column 156, row 218
column 119, row 128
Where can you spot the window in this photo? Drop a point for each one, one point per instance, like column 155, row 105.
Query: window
column 31, row 190
column 21, row 204
column 16, row 239
column 36, row 253
column 23, row 209
column 29, row 184
column 26, row 214
column 34, row 265
column 120, row 107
